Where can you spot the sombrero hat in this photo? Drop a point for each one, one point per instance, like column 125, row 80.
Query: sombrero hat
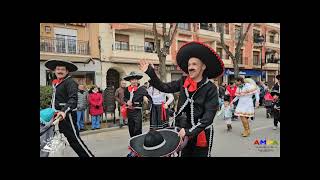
column 155, row 143
column 52, row 63
column 205, row 53
column 275, row 92
column 133, row 75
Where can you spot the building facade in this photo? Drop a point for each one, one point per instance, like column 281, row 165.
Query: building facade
column 75, row 42
column 259, row 60
column 106, row 52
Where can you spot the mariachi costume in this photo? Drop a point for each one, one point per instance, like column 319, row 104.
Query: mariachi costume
column 198, row 102
column 276, row 108
column 155, row 143
column 135, row 95
column 159, row 115
column 276, row 87
column 64, row 98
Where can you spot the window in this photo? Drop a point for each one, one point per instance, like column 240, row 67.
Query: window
column 122, row 42
column 271, row 37
column 66, row 40
column 219, row 52
column 226, row 28
column 256, row 34
column 219, row 29
column 47, row 29
column 226, row 55
column 240, row 61
column 184, row 26
column 149, row 45
column 256, row 58
column 237, row 32
column 207, row 26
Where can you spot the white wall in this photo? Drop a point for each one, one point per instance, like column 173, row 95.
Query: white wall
column 96, row 67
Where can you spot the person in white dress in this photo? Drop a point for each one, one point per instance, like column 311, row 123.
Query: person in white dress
column 245, row 108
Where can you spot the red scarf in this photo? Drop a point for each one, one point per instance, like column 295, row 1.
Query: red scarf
column 56, row 81
column 132, row 88
column 202, row 140
column 124, row 112
column 190, row 84
column 163, row 113
column 232, row 92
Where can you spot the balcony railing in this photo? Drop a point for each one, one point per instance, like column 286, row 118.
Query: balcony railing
column 274, row 41
column 61, row 45
column 134, row 48
column 207, row 27
column 273, row 60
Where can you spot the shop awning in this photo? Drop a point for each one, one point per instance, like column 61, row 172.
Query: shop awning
column 245, row 72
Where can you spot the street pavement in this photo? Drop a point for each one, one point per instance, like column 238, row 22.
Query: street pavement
column 225, row 144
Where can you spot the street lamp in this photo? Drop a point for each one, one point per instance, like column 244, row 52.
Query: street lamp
column 260, row 40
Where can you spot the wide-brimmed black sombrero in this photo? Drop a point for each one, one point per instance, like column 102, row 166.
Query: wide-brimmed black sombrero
column 133, row 75
column 155, row 143
column 205, row 53
column 52, row 63
column 275, row 92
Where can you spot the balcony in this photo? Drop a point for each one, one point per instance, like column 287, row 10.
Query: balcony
column 133, row 53
column 207, row 26
column 274, row 44
column 207, row 30
column 273, row 60
column 64, row 46
column 133, row 48
column 275, row 25
column 272, row 64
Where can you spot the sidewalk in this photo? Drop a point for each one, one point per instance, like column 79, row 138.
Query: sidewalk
column 88, row 132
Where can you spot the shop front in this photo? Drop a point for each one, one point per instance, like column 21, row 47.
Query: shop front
column 247, row 73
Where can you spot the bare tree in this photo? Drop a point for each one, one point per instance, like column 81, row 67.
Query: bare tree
column 236, row 57
column 164, row 50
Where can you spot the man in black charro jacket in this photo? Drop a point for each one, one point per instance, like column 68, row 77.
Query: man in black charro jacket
column 198, row 101
column 64, row 101
column 133, row 97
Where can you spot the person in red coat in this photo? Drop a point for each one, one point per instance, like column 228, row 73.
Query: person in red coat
column 230, row 92
column 96, row 108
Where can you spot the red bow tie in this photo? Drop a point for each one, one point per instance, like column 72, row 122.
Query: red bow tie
column 132, row 88
column 190, row 84
column 56, row 81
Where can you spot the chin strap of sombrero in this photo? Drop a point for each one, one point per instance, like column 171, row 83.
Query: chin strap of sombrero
column 192, row 114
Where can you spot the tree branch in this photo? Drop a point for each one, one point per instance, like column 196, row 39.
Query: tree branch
column 170, row 28
column 156, row 44
column 243, row 36
column 173, row 34
column 222, row 41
